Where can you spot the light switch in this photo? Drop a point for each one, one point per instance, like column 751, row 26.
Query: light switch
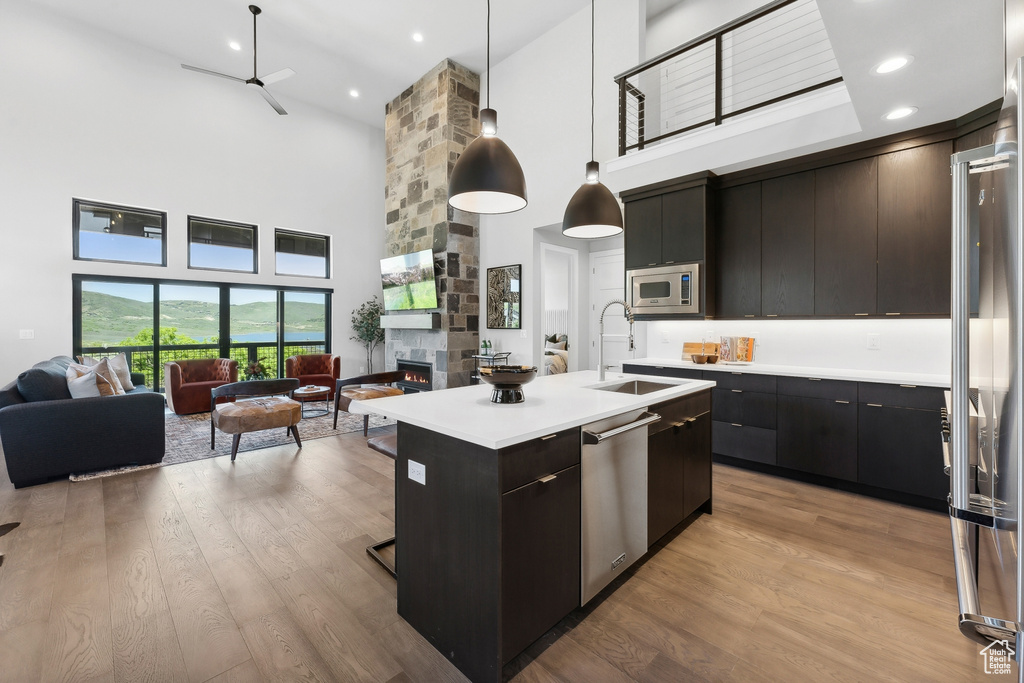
column 418, row 472
column 26, row 334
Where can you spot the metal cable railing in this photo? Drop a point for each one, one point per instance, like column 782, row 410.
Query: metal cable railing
column 772, row 54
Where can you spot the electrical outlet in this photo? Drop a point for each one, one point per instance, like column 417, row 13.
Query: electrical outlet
column 874, row 343
column 26, row 334
column 418, row 472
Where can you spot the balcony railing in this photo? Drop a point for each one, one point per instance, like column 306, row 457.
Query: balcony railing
column 140, row 358
column 772, row 54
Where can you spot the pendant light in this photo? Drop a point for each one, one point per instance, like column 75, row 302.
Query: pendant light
column 593, row 212
column 487, row 178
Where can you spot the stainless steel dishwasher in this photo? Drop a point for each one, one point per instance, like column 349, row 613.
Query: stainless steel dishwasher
column 613, row 529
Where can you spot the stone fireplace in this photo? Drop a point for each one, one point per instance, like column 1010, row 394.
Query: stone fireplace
column 417, row 376
column 427, row 127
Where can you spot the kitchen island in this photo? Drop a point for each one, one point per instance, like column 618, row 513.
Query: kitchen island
column 493, row 517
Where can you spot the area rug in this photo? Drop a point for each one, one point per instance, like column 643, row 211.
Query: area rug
column 99, row 474
column 188, row 436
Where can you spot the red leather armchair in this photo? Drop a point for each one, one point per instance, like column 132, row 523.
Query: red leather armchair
column 188, row 382
column 321, row 369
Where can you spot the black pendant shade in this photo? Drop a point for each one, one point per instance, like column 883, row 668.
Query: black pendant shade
column 593, row 212
column 487, row 178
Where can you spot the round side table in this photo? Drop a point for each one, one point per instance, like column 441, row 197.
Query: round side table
column 312, row 393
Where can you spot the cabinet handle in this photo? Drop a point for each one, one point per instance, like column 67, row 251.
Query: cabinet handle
column 736, row 424
column 668, row 263
column 862, row 314
column 773, row 315
column 737, row 391
column 748, row 316
column 892, row 313
column 549, row 436
column 550, row 477
column 844, row 402
column 685, row 422
column 875, row 405
column 813, row 379
column 909, row 386
column 737, row 373
column 652, row 264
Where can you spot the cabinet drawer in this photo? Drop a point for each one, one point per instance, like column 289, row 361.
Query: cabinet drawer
column 741, row 441
column 677, row 410
column 528, row 461
column 749, row 408
column 663, row 371
column 810, row 387
column 901, row 396
column 899, row 449
column 742, row 381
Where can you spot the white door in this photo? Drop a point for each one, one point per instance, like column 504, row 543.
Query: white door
column 608, row 283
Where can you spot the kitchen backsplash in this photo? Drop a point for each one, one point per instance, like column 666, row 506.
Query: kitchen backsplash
column 917, row 346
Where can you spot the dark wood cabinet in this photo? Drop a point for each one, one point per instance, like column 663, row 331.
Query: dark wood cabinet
column 845, row 238
column 642, row 236
column 818, row 435
column 735, row 440
column 678, row 462
column 787, row 245
column 899, row 449
column 738, row 249
column 663, row 371
column 540, row 550
column 684, row 218
column 914, row 200
column 751, row 408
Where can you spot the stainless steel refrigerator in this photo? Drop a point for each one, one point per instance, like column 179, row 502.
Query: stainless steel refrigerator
column 984, row 408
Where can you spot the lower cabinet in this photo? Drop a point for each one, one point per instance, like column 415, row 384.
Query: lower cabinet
column 736, row 440
column 540, row 539
column 678, row 462
column 818, row 435
column 899, row 449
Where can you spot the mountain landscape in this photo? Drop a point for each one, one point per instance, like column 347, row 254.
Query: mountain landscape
column 107, row 320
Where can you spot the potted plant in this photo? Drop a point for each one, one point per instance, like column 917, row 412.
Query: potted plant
column 256, row 370
column 366, row 325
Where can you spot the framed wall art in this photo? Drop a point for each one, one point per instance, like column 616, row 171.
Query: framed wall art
column 504, row 297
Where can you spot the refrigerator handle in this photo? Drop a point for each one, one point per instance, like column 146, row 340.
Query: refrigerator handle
column 959, row 474
column 978, row 628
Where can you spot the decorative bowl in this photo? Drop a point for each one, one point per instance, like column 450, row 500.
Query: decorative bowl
column 699, row 358
column 507, row 380
column 712, row 359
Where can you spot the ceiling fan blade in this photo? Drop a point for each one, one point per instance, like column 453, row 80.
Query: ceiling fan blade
column 212, row 73
column 277, row 76
column 273, row 103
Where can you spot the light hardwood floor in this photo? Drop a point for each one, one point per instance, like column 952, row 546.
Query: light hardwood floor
column 210, row 571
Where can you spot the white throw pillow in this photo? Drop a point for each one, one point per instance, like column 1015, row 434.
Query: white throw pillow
column 555, row 345
column 85, row 382
column 118, row 364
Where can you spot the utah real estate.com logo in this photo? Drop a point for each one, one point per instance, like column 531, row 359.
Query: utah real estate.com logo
column 998, row 656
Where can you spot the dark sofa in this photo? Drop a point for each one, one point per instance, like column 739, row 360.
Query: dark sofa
column 45, row 433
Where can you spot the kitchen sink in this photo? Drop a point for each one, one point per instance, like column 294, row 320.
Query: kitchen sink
column 637, row 387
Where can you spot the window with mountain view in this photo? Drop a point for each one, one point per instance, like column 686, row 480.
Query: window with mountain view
column 220, row 245
column 107, row 232
column 197, row 320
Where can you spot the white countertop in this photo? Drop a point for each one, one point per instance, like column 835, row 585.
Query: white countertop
column 553, row 403
column 916, row 379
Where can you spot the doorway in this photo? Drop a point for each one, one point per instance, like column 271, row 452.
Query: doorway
column 559, row 315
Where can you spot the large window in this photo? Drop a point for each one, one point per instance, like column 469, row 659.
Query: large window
column 197, row 320
column 299, row 253
column 220, row 245
column 106, row 232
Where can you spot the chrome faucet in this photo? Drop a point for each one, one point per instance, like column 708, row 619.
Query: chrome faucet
column 601, row 335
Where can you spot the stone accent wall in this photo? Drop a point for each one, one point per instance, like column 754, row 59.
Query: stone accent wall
column 426, row 128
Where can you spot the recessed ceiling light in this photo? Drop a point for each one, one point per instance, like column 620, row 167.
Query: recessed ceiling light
column 893, row 64
column 418, row 37
column 353, row 92
column 899, row 113
column 235, row 45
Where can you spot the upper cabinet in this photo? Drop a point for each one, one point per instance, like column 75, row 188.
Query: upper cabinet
column 666, row 223
column 845, row 238
column 787, row 245
column 914, row 200
column 739, row 212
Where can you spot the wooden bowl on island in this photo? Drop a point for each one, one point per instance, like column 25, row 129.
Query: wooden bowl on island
column 507, row 381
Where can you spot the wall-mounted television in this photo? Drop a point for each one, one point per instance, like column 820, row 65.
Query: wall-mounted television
column 408, row 281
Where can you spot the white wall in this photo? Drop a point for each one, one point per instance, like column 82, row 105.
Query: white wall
column 691, row 18
column 542, row 95
column 85, row 114
column 910, row 346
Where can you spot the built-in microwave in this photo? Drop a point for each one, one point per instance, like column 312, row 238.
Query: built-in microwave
column 671, row 289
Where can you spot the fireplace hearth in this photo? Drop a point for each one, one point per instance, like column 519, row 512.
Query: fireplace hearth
column 418, row 376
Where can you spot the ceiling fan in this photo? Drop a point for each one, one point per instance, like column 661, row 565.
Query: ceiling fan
column 254, row 82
